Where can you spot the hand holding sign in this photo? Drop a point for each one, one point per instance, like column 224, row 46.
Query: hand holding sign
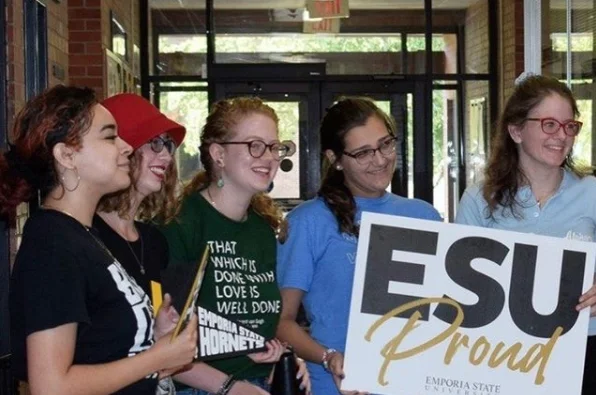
column 588, row 300
column 179, row 351
column 336, row 368
column 166, row 319
column 272, row 354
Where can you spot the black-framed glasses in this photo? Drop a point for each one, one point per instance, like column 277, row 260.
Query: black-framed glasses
column 386, row 148
column 158, row 143
column 552, row 126
column 256, row 148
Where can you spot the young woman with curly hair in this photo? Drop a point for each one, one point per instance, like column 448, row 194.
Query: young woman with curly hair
column 80, row 324
column 226, row 208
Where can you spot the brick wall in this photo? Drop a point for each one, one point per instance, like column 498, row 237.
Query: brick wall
column 86, row 56
column 477, row 51
column 57, row 43
column 89, row 36
column 511, row 46
column 15, row 77
column 476, row 38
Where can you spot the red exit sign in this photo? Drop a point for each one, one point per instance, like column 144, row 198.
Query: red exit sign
column 322, row 26
column 328, row 8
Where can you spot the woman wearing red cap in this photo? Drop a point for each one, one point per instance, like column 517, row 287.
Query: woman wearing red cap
column 74, row 310
column 140, row 247
column 121, row 217
column 225, row 208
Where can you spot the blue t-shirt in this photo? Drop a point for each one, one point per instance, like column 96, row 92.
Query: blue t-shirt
column 319, row 260
column 570, row 213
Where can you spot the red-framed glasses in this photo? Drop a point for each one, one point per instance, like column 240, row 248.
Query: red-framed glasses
column 552, row 126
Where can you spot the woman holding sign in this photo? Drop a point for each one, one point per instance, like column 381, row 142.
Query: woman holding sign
column 316, row 262
column 531, row 182
column 225, row 209
column 79, row 322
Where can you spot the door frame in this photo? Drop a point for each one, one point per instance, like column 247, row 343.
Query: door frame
column 320, row 95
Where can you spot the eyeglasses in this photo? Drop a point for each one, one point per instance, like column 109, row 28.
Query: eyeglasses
column 158, row 143
column 256, row 148
column 552, row 126
column 386, row 148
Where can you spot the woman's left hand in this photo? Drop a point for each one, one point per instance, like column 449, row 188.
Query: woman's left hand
column 303, row 376
column 272, row 354
column 588, row 300
column 166, row 319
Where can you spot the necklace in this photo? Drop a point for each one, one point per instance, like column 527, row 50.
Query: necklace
column 95, row 238
column 244, row 217
column 141, row 261
column 543, row 200
column 211, row 198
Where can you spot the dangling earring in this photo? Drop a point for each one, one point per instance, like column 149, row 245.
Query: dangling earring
column 64, row 180
column 338, row 167
column 220, row 180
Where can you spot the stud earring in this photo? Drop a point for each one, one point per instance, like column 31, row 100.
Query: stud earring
column 339, row 167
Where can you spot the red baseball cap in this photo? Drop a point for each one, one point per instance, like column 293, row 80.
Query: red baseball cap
column 139, row 121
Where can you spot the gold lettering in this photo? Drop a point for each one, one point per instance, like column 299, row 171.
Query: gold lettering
column 538, row 354
column 389, row 351
column 481, row 342
column 454, row 345
column 495, row 359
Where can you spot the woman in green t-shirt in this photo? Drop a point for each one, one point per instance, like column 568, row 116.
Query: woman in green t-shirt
column 225, row 208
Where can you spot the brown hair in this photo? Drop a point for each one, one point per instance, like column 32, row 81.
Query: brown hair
column 219, row 126
column 502, row 175
column 162, row 204
column 61, row 114
column 346, row 114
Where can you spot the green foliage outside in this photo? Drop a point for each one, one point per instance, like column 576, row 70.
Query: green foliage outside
column 190, row 108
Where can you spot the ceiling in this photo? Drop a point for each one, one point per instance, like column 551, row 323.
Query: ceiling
column 292, row 4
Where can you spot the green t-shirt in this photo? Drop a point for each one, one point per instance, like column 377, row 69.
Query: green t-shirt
column 239, row 281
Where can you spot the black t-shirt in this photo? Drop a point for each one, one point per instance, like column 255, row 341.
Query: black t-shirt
column 63, row 275
column 150, row 251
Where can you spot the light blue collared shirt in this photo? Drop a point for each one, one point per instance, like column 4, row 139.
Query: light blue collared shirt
column 569, row 213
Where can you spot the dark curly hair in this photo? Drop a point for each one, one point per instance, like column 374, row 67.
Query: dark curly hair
column 59, row 115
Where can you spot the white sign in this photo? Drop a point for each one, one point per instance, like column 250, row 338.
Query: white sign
column 451, row 309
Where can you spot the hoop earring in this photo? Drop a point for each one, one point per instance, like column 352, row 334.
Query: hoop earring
column 64, row 180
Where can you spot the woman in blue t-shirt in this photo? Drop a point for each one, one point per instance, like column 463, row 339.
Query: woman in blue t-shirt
column 316, row 263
